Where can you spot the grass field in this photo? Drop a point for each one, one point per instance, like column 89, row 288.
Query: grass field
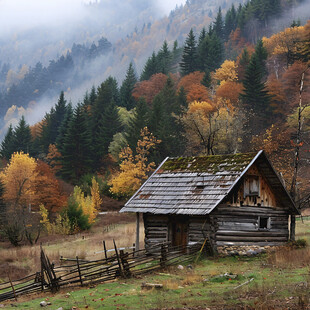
column 277, row 280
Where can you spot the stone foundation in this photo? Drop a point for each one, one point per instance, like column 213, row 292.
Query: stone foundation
column 246, row 250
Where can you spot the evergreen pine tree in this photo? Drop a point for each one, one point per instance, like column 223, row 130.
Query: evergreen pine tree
column 218, row 26
column 214, row 53
column 110, row 125
column 188, row 63
column 164, row 59
column 92, row 96
column 206, row 81
column 164, row 124
column 22, row 141
column 77, row 148
column 63, row 129
column 7, row 145
column 150, row 68
column 255, row 97
column 127, row 100
column 52, row 122
column 139, row 121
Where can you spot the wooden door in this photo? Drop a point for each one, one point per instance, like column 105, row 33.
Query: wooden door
column 179, row 233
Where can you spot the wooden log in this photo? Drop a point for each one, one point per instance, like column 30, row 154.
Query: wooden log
column 252, row 233
column 151, row 285
column 137, row 231
column 246, row 238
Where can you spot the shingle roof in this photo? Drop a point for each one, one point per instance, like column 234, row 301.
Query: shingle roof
column 192, row 185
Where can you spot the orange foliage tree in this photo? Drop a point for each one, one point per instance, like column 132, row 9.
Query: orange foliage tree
column 53, row 156
column 149, row 89
column 285, row 43
column 229, row 93
column 47, row 190
column 193, row 87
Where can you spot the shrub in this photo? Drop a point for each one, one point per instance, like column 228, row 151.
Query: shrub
column 78, row 220
column 301, row 243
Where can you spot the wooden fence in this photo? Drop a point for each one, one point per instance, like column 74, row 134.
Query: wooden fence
column 77, row 272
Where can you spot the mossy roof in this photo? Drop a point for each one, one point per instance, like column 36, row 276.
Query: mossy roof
column 196, row 185
column 210, row 164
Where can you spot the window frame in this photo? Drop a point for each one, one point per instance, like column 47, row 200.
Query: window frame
column 268, row 223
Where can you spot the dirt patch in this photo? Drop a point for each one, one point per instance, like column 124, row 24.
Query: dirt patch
column 15, row 272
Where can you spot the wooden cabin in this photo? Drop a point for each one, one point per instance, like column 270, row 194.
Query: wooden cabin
column 237, row 203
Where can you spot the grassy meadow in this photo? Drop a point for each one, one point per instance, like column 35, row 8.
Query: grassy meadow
column 275, row 280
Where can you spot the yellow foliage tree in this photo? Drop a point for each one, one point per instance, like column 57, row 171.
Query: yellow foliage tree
column 210, row 128
column 227, row 72
column 85, row 203
column 285, row 42
column 19, row 179
column 95, row 195
column 134, row 168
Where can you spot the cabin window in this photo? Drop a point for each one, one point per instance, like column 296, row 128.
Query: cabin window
column 251, row 186
column 264, row 222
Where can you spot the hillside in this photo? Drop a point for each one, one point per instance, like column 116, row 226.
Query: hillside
column 218, row 94
column 30, row 79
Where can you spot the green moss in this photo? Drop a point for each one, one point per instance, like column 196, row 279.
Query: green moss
column 211, row 164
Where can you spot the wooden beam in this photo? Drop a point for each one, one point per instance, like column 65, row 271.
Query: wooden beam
column 137, row 231
column 292, row 228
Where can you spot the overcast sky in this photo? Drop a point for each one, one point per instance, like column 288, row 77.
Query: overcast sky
column 16, row 14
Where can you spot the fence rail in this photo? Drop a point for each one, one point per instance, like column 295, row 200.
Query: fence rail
column 82, row 272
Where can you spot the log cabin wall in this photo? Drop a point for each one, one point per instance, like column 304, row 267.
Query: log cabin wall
column 155, row 229
column 200, row 227
column 244, row 229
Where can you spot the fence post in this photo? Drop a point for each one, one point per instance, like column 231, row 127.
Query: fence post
column 133, row 249
column 79, row 270
column 125, row 264
column 12, row 287
column 163, row 255
column 105, row 250
column 118, row 260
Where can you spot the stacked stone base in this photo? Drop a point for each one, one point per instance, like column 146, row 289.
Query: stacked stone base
column 245, row 250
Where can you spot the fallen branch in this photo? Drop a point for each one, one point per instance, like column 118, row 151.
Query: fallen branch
column 247, row 282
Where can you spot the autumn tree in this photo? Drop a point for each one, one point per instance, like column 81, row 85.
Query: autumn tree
column 285, row 43
column 134, row 169
column 210, row 128
column 227, row 72
column 47, row 190
column 150, row 88
column 18, row 178
column 2, row 204
column 193, row 87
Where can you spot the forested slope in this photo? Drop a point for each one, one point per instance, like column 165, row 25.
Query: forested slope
column 219, row 93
